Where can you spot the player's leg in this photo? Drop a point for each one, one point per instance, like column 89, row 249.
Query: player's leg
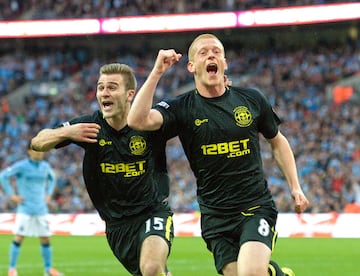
column 46, row 252
column 225, row 250
column 47, row 255
column 256, row 252
column 21, row 226
column 153, row 257
column 14, row 252
column 157, row 233
column 257, row 240
column 222, row 240
column 254, row 257
column 275, row 270
column 41, row 229
column 230, row 269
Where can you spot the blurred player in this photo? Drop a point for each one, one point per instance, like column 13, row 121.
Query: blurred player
column 219, row 128
column 124, row 172
column 34, row 184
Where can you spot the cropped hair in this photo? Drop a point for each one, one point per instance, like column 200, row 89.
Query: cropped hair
column 192, row 50
column 119, row 68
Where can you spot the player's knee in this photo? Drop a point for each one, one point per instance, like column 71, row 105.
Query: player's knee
column 253, row 269
column 151, row 268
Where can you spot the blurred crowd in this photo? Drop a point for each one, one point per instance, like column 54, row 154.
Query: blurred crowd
column 325, row 136
column 51, row 9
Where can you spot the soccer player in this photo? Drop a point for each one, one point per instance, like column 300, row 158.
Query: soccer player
column 219, row 128
column 124, row 172
column 34, row 181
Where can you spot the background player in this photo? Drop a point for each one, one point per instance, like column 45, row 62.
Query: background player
column 34, row 185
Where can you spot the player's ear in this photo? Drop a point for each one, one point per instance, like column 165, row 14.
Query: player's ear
column 191, row 67
column 131, row 94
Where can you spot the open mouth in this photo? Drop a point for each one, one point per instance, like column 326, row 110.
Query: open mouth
column 212, row 68
column 107, row 105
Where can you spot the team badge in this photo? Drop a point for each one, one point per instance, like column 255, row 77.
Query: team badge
column 242, row 116
column 137, row 145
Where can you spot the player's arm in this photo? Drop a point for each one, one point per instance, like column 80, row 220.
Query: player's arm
column 4, row 181
column 285, row 159
column 141, row 116
column 48, row 199
column 48, row 138
column 51, row 183
column 5, row 177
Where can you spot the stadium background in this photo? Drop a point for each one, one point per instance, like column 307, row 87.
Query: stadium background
column 45, row 81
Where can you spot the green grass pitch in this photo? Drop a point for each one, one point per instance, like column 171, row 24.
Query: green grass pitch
column 80, row 256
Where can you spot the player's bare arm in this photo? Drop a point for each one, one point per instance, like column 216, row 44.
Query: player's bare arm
column 284, row 157
column 47, row 139
column 141, row 116
column 48, row 199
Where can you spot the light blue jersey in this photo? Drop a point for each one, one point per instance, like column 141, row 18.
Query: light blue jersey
column 34, row 181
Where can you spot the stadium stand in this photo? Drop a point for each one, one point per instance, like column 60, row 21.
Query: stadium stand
column 45, row 9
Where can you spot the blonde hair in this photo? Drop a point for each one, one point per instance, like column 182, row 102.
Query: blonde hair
column 119, row 68
column 192, row 49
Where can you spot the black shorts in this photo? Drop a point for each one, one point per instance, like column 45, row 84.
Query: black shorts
column 125, row 240
column 224, row 235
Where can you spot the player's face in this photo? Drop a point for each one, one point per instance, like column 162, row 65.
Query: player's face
column 209, row 62
column 112, row 96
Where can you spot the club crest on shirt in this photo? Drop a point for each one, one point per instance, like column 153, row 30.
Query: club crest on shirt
column 137, row 145
column 242, row 116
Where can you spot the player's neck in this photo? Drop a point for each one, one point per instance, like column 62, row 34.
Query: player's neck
column 117, row 123
column 211, row 91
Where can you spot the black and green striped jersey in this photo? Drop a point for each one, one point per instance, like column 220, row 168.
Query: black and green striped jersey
column 125, row 171
column 220, row 137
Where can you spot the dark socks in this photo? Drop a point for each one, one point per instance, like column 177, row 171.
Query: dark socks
column 274, row 269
